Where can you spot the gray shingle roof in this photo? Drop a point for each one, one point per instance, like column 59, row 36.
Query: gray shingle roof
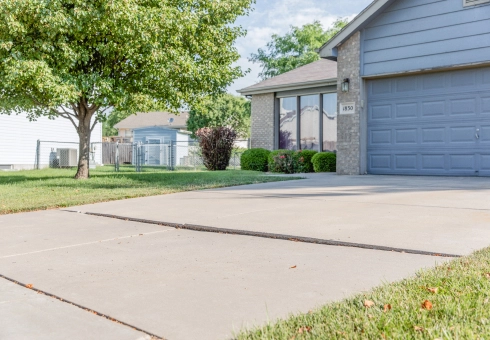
column 316, row 72
column 147, row 119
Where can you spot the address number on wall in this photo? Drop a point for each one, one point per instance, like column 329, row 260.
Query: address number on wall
column 347, row 108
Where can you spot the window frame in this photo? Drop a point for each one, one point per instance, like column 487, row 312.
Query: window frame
column 277, row 118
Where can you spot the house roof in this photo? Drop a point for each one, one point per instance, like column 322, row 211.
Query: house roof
column 318, row 73
column 147, row 119
column 329, row 49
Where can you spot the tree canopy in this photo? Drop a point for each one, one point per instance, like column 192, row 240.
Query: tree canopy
column 76, row 58
column 225, row 110
column 296, row 48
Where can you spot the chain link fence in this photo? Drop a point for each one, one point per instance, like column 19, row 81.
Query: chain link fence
column 171, row 156
column 55, row 154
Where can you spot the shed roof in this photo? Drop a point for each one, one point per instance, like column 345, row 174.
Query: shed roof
column 148, row 119
column 317, row 73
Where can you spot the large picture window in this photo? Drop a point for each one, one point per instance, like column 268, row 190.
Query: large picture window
column 313, row 128
column 329, row 122
column 288, row 122
column 310, row 122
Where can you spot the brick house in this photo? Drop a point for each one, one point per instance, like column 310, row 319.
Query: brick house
column 310, row 90
column 413, row 91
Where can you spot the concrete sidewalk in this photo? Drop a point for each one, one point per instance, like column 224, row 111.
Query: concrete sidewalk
column 174, row 283
column 438, row 214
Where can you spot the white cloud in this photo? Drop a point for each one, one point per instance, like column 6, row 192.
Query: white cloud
column 275, row 17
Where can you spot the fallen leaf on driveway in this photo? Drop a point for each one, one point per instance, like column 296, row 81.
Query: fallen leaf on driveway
column 427, row 305
column 29, row 285
column 387, row 308
column 433, row 290
column 418, row 329
column 293, row 267
column 368, row 303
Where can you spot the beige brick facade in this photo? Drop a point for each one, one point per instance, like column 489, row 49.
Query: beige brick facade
column 348, row 128
column 262, row 134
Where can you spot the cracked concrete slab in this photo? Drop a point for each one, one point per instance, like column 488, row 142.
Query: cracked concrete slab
column 438, row 214
column 190, row 285
column 25, row 314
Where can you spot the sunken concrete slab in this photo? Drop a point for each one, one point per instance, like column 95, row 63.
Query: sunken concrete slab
column 190, row 285
column 438, row 214
column 27, row 315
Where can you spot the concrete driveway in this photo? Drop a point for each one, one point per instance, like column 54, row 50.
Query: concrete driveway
column 130, row 280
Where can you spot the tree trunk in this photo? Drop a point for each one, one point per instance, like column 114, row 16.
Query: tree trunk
column 84, row 133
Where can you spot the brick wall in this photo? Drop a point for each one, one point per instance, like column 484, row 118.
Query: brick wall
column 348, row 128
column 262, row 134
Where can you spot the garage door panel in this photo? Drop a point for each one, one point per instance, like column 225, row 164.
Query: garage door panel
column 380, row 137
column 406, row 110
column 406, row 136
column 485, row 133
column 462, row 162
column 485, row 105
column 432, row 108
column 463, row 134
column 380, row 162
column 466, row 106
column 406, row 162
column 380, row 112
column 435, row 124
column 431, row 135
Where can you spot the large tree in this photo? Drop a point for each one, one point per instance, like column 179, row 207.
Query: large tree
column 76, row 58
column 296, row 48
column 225, row 110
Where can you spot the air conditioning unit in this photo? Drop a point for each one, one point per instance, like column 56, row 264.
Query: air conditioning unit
column 67, row 157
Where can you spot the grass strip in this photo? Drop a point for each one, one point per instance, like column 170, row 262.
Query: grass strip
column 55, row 188
column 451, row 301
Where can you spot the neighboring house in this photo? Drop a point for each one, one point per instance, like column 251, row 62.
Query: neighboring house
column 413, row 90
column 165, row 120
column 162, row 145
column 162, row 136
column 19, row 147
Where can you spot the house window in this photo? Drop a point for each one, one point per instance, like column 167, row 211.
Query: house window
column 329, row 121
column 288, row 122
column 310, row 122
column 315, row 128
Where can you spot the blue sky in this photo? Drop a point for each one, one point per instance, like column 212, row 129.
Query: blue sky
column 275, row 16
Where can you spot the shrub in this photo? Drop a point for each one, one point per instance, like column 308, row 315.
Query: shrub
column 255, row 159
column 283, row 161
column 290, row 162
column 216, row 146
column 303, row 159
column 324, row 162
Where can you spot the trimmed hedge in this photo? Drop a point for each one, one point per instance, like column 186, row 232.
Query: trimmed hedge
column 304, row 158
column 325, row 162
column 255, row 159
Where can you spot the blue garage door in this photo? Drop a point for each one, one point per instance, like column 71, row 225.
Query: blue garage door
column 432, row 124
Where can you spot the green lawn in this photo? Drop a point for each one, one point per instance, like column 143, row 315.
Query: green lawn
column 55, row 188
column 458, row 291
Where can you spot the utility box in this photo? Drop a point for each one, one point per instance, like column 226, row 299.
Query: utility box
column 67, row 157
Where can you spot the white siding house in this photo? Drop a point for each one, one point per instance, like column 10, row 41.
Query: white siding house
column 19, row 141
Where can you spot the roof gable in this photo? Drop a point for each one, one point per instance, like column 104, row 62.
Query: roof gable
column 329, row 49
column 149, row 119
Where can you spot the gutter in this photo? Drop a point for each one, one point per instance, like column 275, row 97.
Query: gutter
column 288, row 87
